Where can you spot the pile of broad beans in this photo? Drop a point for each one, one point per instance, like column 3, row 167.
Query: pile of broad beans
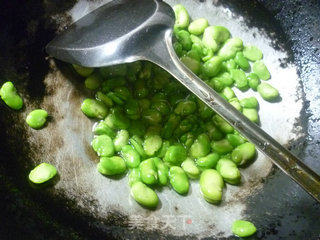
column 162, row 135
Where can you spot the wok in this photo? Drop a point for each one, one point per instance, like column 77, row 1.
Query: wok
column 82, row 206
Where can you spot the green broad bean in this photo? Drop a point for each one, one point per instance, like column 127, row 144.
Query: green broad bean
column 220, row 34
column 216, row 84
column 213, row 132
column 162, row 170
column 134, row 67
column 225, row 78
column 181, row 15
column 162, row 151
column 243, row 153
column 261, row 70
column 161, row 106
column 103, row 146
column 207, row 162
column 212, row 67
column 243, row 228
column 93, row 81
column 130, row 156
column 132, row 109
column 184, row 126
column 187, row 140
column 267, row 92
column 137, row 128
column 193, row 64
column 185, row 108
column 184, row 38
column 197, row 26
column 175, row 155
column 121, row 139
column 148, row 171
column 152, row 144
column 240, row 79
column 42, row 173
column 100, row 96
column 37, row 118
column 196, row 51
column 252, row 53
column 207, row 54
column 115, row 98
column 117, row 120
column 200, row 147
column 205, row 112
column 170, row 126
column 9, row 95
column 94, row 109
column 235, row 139
column 236, row 104
column 136, row 142
column 242, row 61
column 146, row 71
column 208, row 39
column 221, row 147
column 179, row 180
column 153, row 130
column 190, row 168
column 111, row 166
column 211, row 185
column 228, row 92
column 229, row 64
column 152, row 117
column 144, row 195
column 103, row 129
column 144, row 104
column 83, row 71
column 230, row 48
column 253, row 81
column 111, row 83
column 114, row 71
column 178, row 48
column 250, row 102
column 123, row 93
column 251, row 114
column 222, row 124
column 134, row 176
column 229, row 171
column 195, row 39
column 140, row 89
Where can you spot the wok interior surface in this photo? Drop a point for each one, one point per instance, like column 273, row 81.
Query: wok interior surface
column 280, row 209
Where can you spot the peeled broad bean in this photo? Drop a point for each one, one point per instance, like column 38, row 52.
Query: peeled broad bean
column 243, row 228
column 208, row 39
column 110, row 166
column 144, row 195
column 103, row 146
column 190, row 168
column 220, row 34
column 250, row 102
column 152, row 144
column 162, row 151
column 243, row 153
column 134, row 176
column 181, row 15
column 252, row 53
column 184, row 38
column 222, row 146
column 228, row 92
column 121, row 139
column 93, row 81
column 37, row 118
column 261, row 70
column 175, row 155
column 170, row 126
column 185, row 108
column 229, row 171
column 212, row 67
column 222, row 124
column 187, row 140
column 136, row 142
column 235, row 139
column 268, row 92
column 100, row 96
column 137, row 128
column 9, row 95
column 230, row 48
column 251, row 114
column 200, row 147
column 240, row 79
column 148, row 171
column 130, row 156
column 42, row 173
column 213, row 132
column 207, row 162
column 94, row 109
column 193, row 64
column 225, row 78
column 236, row 104
column 197, row 26
column 253, row 81
column 103, row 129
column 162, row 170
column 211, row 185
column 242, row 61
column 117, row 120
column 179, row 180
column 229, row 64
column 83, row 71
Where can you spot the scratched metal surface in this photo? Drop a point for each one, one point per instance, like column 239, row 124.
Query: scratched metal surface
column 65, row 142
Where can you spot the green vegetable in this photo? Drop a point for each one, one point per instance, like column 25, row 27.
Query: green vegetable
column 242, row 61
column 230, row 48
column 94, row 109
column 243, row 153
column 252, row 53
column 93, row 81
column 197, row 26
column 251, row 114
column 148, row 171
column 121, row 139
column 229, row 171
column 190, row 168
column 134, row 176
column 100, row 96
column 103, row 146
column 136, row 142
column 212, row 67
column 182, row 16
column 250, row 102
column 110, row 166
column 37, row 118
column 209, row 161
column 162, row 170
column 144, row 195
column 222, row 146
column 9, row 95
column 103, row 129
column 243, row 228
column 222, row 124
column 175, row 155
column 152, row 144
column 240, row 79
column 268, row 92
column 200, row 147
column 117, row 120
column 211, row 185
column 179, row 180
column 185, row 40
column 42, row 173
column 253, row 81
column 130, row 156
column 83, row 71
column 261, row 70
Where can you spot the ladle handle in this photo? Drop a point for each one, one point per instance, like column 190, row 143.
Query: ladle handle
column 280, row 156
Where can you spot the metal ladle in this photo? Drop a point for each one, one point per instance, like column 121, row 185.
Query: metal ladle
column 124, row 31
